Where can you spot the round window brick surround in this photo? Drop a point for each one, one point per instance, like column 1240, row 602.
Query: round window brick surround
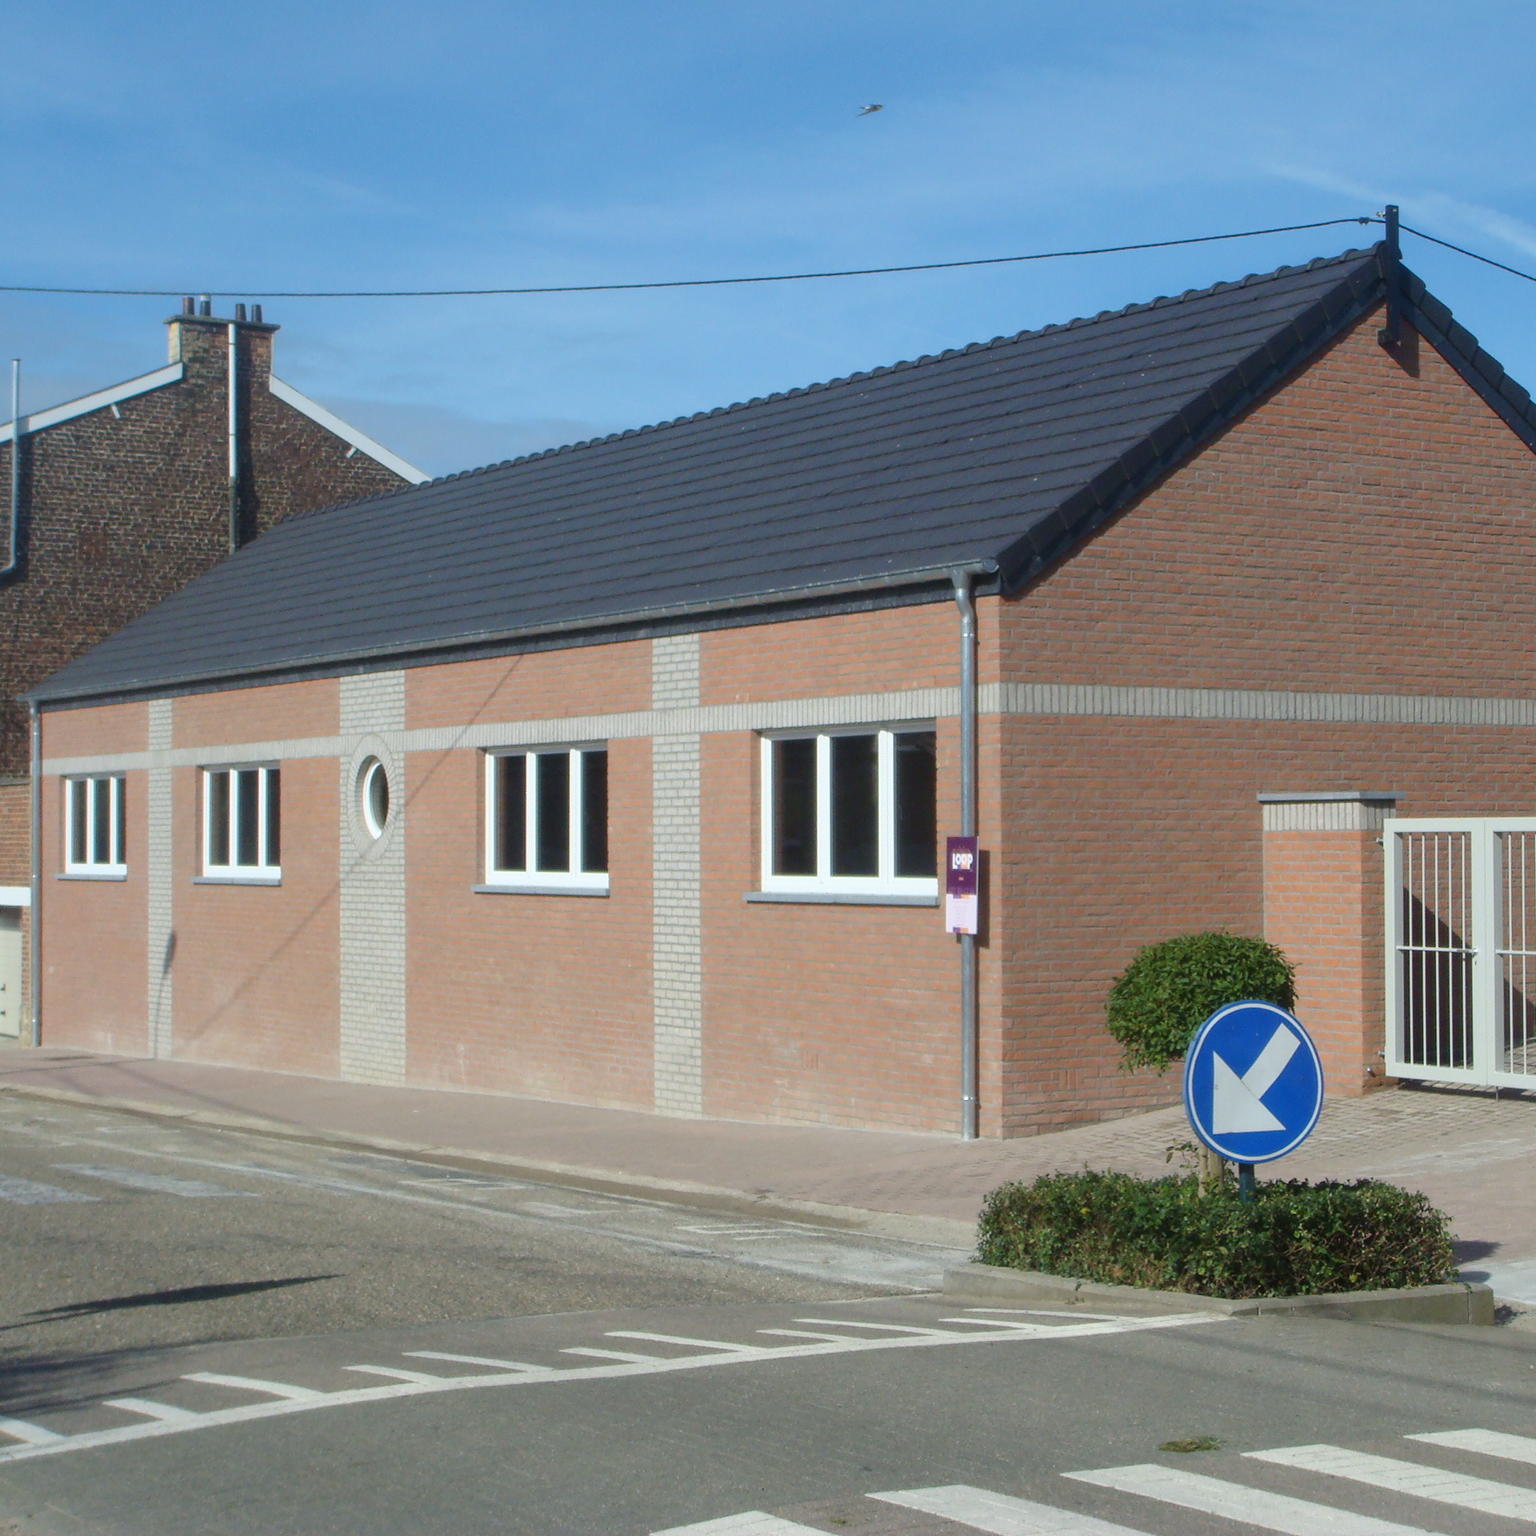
column 370, row 797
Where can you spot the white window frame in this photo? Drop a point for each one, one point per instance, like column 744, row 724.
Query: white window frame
column 261, row 873
column 887, row 882
column 542, row 880
column 84, row 861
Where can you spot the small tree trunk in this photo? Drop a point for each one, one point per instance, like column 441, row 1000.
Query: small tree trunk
column 1212, row 1171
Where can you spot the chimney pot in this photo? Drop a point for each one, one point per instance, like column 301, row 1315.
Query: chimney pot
column 256, row 313
column 205, row 307
column 240, row 313
column 188, row 305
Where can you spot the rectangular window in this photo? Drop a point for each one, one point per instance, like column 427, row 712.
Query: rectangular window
column 242, row 821
column 547, row 819
column 95, row 825
column 851, row 811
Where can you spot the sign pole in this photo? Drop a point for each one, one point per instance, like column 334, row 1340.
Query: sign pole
column 969, row 1019
column 1245, row 1182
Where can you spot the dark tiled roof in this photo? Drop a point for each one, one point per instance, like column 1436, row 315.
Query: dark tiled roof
column 1000, row 454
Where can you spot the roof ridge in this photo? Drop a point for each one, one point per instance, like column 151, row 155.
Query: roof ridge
column 925, row 360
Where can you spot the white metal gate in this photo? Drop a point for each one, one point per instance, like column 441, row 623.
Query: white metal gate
column 1461, row 950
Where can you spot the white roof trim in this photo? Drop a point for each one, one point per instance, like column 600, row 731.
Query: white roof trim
column 348, row 434
column 37, row 420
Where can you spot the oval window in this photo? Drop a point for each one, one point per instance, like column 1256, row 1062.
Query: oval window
column 374, row 785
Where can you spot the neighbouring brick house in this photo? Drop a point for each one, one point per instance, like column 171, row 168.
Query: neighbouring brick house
column 616, row 773
column 125, row 495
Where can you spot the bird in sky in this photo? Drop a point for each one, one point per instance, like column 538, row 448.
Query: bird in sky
column 874, row 106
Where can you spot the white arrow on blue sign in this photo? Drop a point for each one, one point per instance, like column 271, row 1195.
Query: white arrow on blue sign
column 1253, row 1083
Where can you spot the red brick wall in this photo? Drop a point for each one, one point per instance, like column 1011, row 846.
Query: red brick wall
column 585, row 680
column 94, row 975
column 278, row 712
column 1323, row 907
column 543, row 995
column 256, row 966
column 15, row 834
column 1365, row 530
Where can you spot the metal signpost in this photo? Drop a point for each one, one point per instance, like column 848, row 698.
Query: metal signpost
column 1253, row 1086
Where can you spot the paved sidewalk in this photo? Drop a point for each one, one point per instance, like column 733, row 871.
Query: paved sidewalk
column 1474, row 1155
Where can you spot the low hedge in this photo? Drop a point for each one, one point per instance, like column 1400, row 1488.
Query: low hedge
column 1293, row 1239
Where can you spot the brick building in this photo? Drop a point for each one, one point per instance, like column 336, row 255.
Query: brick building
column 119, row 498
column 617, row 773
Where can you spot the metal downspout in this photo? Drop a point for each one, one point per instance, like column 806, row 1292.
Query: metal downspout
column 34, row 911
column 968, row 1004
column 234, row 437
column 13, row 549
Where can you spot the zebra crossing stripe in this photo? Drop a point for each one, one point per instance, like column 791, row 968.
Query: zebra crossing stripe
column 1235, row 1501
column 1486, row 1442
column 29, row 1192
column 1411, row 1477
column 983, row 1510
column 752, row 1523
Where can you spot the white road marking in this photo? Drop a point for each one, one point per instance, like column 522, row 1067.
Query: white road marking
column 720, row 1229
column 1453, row 1488
column 29, row 1192
column 500, row 1365
column 157, row 1183
column 753, row 1523
column 805, row 1333
column 151, row 1410
column 395, row 1374
column 1487, row 1442
column 292, row 1399
column 844, row 1322
column 30, row 1434
column 992, row 1322
column 1043, row 1312
column 611, row 1354
column 256, row 1384
column 984, row 1510
column 546, row 1208
column 673, row 1338
column 1250, row 1506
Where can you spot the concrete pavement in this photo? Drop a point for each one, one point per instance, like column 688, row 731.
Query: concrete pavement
column 1473, row 1154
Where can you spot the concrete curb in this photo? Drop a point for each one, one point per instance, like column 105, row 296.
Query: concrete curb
column 935, row 1231
column 1461, row 1302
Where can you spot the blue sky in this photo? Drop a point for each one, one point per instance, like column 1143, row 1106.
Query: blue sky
column 333, row 145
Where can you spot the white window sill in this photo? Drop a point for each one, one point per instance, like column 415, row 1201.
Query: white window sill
column 253, row 878
column 842, row 899
column 94, row 874
column 539, row 890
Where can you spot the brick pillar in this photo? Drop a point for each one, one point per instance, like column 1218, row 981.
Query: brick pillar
column 1323, row 908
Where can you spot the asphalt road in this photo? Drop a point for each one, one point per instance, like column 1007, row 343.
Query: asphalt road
column 506, row 1358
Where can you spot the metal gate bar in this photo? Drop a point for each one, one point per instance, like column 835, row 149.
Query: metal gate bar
column 1461, row 949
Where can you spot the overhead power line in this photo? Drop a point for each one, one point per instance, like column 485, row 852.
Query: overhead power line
column 1461, row 250
column 689, row 282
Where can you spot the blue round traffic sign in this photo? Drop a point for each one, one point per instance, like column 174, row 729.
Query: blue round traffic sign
column 1253, row 1084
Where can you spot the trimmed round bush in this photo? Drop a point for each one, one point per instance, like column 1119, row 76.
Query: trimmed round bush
column 1170, row 989
column 1292, row 1239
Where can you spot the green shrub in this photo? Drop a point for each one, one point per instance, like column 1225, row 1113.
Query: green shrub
column 1170, row 989
column 1292, row 1239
